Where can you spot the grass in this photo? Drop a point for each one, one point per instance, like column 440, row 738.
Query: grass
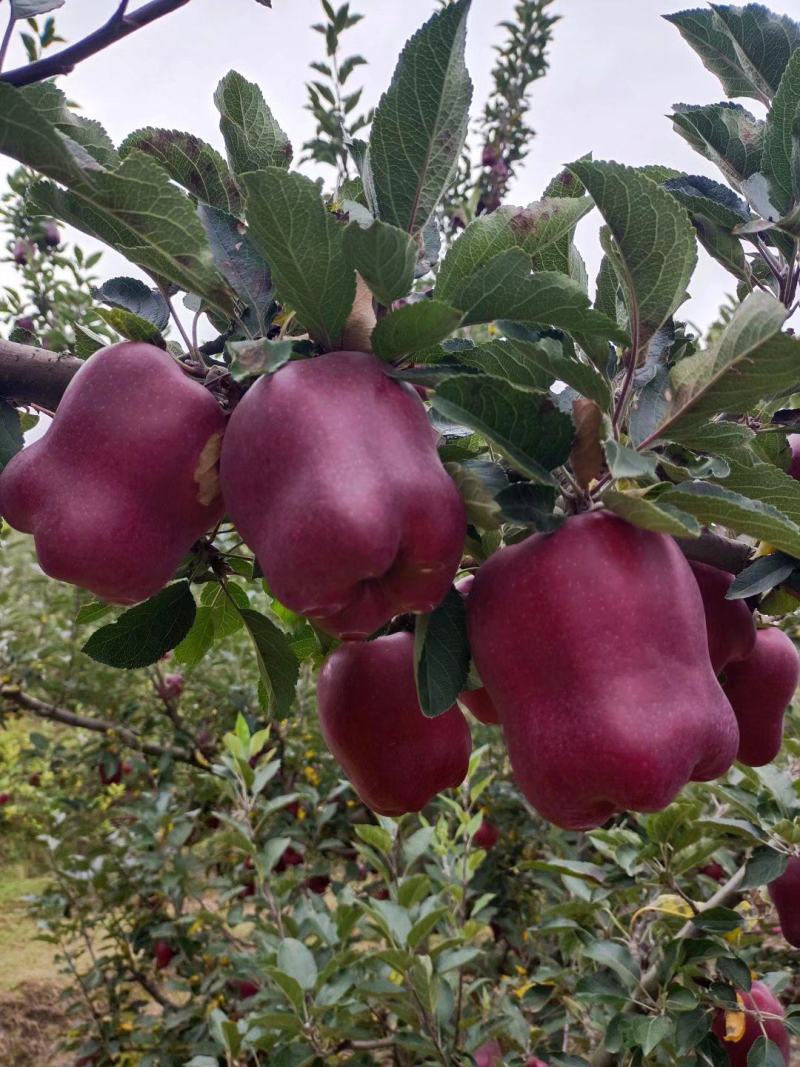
column 22, row 958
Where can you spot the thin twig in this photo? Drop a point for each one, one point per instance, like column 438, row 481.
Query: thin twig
column 7, row 37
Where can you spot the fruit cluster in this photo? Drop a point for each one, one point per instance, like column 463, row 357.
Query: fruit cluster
column 618, row 671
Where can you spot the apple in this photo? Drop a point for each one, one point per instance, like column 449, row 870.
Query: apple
column 123, row 482
column 729, row 623
column 396, row 758
column 163, row 953
column 785, row 894
column 318, row 883
column 713, row 870
column 244, row 988
column 476, row 701
column 290, row 857
column 759, row 1003
column 5, row 798
column 592, row 644
column 760, row 689
column 486, row 836
column 330, row 473
column 171, row 686
column 489, row 1055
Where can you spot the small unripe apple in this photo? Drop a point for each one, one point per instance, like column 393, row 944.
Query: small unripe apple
column 164, row 953
column 171, row 686
column 785, row 894
column 760, row 1001
column 486, row 836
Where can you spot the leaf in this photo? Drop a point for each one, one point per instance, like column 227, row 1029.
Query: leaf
column 748, row 361
column 651, row 514
column 79, row 131
column 765, row 1053
column 765, row 482
column 130, row 326
column 239, row 262
column 624, row 462
column 701, row 196
column 384, row 256
column 714, row 504
column 253, row 138
column 302, row 243
column 131, row 294
column 763, row 867
column 534, row 435
column 779, row 140
column 726, row 134
column 29, row 137
column 277, row 664
column 533, row 229
column 250, row 359
column 141, row 635
column 198, row 640
column 587, row 872
column 190, row 162
column 764, row 41
column 142, row 215
column 420, row 123
column 27, row 9
column 586, row 456
column 413, row 328
column 528, row 504
column 297, row 961
column 505, row 288
column 708, row 36
column 92, row 611
column 441, row 655
column 717, row 920
column 617, row 958
column 648, row 1032
column 760, row 576
column 11, row 439
column 653, row 252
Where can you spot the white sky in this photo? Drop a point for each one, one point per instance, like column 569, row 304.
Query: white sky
column 616, row 68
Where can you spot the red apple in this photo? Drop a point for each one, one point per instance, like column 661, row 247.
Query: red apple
column 486, row 836
column 729, row 623
column 289, row 858
column 244, row 988
column 761, row 1006
column 785, row 894
column 164, row 953
column 489, row 1055
column 476, row 701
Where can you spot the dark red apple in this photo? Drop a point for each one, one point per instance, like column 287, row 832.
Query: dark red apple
column 762, row 1007
column 729, row 623
column 164, row 954
column 785, row 894
column 486, row 836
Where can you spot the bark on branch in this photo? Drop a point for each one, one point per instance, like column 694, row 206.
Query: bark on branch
column 118, row 26
column 31, row 375
column 14, row 695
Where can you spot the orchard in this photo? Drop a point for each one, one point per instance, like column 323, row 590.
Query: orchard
column 398, row 624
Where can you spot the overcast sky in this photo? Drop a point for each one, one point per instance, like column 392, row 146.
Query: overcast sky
column 616, row 67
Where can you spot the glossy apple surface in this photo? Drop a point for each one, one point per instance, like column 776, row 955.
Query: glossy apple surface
column 785, row 894
column 729, row 623
column 760, row 1001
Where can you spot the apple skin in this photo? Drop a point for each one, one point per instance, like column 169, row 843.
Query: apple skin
column 785, row 895
column 760, row 690
column 486, row 836
column 396, row 758
column 592, row 643
column 489, row 1055
column 244, row 988
column 164, row 954
column 760, row 998
column 476, row 701
column 729, row 623
column 331, row 475
column 111, row 492
column 290, row 857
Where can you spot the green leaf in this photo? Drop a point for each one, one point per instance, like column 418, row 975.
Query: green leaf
column 764, row 41
column 763, row 867
column 726, row 134
column 709, row 199
column 250, row 359
column 302, row 243
column 707, row 35
column 384, row 256
column 89, row 135
column 528, row 504
column 28, row 136
column 420, row 123
column 198, row 640
column 26, row 9
column 141, row 635
column 92, row 611
column 749, row 361
column 534, row 229
column 132, row 327
column 142, row 215
column 715, row 438
column 505, row 288
column 624, row 462
column 413, row 328
column 253, row 138
column 587, row 872
column 718, row 920
column 765, row 482
column 616, row 957
column 765, row 1053
column 651, row 514
column 691, row 1028
column 11, row 439
column 441, row 655
column 779, row 142
column 653, row 250
column 277, row 664
column 526, row 364
column 239, row 262
column 528, row 429
column 649, row 1031
column 133, row 295
column 296, row 960
column 762, row 575
column 714, row 504
column 190, row 162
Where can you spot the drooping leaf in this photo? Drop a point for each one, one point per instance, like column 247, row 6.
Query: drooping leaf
column 527, row 428
column 277, row 664
column 302, row 243
column 780, row 138
column 708, row 36
column 190, row 162
column 253, row 137
column 441, row 655
column 765, row 482
column 421, row 121
column 131, row 327
column 761, row 575
column 131, row 294
column 29, row 137
column 653, row 250
column 141, row 635
column 239, row 262
column 704, row 197
column 726, row 134
column 384, row 256
column 413, row 328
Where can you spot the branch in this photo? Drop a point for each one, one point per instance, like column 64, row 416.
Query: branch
column 35, row 375
column 14, row 695
column 651, row 979
column 118, row 26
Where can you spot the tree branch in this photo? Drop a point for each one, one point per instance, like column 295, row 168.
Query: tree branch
column 35, row 375
column 14, row 695
column 651, row 979
column 118, row 26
